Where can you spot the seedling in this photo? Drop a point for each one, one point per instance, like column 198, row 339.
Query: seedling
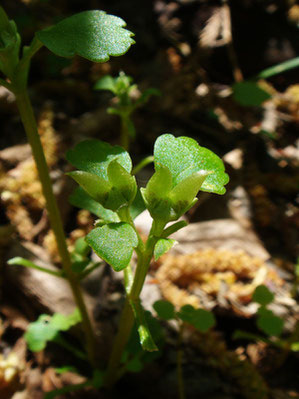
column 182, row 168
column 108, row 186
column 200, row 319
column 270, row 324
column 127, row 102
column 94, row 35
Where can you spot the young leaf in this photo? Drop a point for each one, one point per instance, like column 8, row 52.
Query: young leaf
column 93, row 34
column 187, row 313
column 106, row 83
column 203, row 320
column 164, row 309
column 262, row 295
column 159, row 185
column 249, row 94
column 123, row 181
column 94, row 156
column 183, row 156
column 81, row 247
column 145, row 336
column 39, row 333
column 45, row 329
column 162, row 246
column 81, row 199
column 114, row 243
column 186, row 190
column 95, row 186
column 269, row 323
column 155, row 194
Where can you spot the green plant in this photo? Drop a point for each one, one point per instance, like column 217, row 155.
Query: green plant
column 182, row 168
column 271, row 325
column 108, row 188
column 72, row 36
column 200, row 319
column 128, row 100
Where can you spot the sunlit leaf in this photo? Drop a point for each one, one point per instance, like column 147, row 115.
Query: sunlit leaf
column 81, row 199
column 94, row 156
column 162, row 246
column 93, row 34
column 183, row 157
column 45, row 329
column 114, row 243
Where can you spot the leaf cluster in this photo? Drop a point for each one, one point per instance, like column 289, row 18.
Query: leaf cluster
column 110, row 190
column 123, row 88
column 201, row 319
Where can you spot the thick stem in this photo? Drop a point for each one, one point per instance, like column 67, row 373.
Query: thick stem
column 127, row 317
column 30, row 127
column 124, row 331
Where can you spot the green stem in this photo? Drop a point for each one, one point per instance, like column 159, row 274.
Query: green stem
column 127, row 318
column 124, row 134
column 124, row 330
column 30, row 126
column 142, row 164
column 27, row 263
column 22, row 69
column 276, row 69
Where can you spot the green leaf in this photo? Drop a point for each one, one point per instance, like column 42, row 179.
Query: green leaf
column 63, row 323
column 183, row 157
column 187, row 313
column 262, row 295
column 106, row 83
column 164, row 309
column 94, row 35
column 145, row 336
column 249, row 94
column 94, row 156
column 114, row 243
column 95, row 186
column 39, row 333
column 45, row 329
column 81, row 247
column 122, row 180
column 270, row 324
column 155, row 194
column 162, row 246
column 183, row 194
column 203, row 320
column 81, row 199
column 159, row 185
